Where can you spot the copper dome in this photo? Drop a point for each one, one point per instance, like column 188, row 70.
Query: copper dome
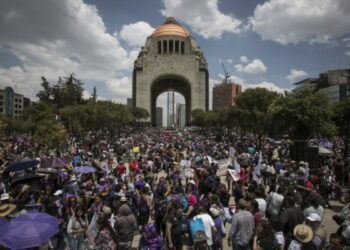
column 170, row 28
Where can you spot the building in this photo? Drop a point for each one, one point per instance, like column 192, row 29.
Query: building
column 11, row 103
column 224, row 94
column 181, row 115
column 129, row 102
column 159, row 116
column 170, row 60
column 308, row 83
column 337, row 93
column 334, row 83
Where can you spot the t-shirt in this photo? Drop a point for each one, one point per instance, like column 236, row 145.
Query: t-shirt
column 265, row 244
column 208, row 224
column 262, row 206
column 279, row 238
column 294, row 245
column 176, row 225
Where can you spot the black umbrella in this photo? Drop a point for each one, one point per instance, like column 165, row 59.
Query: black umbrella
column 22, row 165
column 25, row 179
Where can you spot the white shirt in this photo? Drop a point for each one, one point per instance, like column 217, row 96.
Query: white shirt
column 262, row 205
column 294, row 245
column 208, row 224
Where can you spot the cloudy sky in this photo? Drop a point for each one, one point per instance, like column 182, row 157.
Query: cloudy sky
column 270, row 43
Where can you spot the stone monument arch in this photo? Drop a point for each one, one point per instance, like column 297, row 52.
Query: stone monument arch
column 170, row 60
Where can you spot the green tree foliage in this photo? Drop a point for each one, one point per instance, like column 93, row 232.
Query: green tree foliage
column 341, row 118
column 303, row 115
column 94, row 94
column 252, row 108
column 67, row 92
column 139, row 113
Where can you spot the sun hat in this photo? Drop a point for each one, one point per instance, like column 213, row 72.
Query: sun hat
column 5, row 196
column 6, row 209
column 303, row 233
column 314, row 217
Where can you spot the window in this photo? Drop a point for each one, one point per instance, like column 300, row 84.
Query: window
column 165, row 46
column 177, row 46
column 182, row 48
column 171, row 46
column 159, row 47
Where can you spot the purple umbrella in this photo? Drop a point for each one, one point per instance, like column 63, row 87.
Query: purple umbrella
column 84, row 169
column 28, row 230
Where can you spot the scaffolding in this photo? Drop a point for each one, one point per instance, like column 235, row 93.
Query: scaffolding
column 171, row 108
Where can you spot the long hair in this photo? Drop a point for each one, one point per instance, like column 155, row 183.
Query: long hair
column 103, row 223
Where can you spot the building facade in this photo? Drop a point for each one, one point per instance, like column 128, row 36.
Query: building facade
column 170, row 60
column 337, row 93
column 224, row 94
column 11, row 103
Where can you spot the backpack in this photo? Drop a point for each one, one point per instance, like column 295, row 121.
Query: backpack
column 196, row 226
column 150, row 239
column 144, row 209
column 162, row 206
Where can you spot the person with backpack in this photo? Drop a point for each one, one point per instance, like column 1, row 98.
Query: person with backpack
column 209, row 225
column 160, row 210
column 174, row 226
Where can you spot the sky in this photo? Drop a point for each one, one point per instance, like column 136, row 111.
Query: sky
column 271, row 43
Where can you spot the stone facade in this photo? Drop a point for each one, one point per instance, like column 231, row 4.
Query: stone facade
column 170, row 62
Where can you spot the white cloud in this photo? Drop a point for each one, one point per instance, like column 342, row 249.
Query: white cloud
column 204, row 18
column 314, row 21
column 230, row 61
column 252, row 67
column 135, row 34
column 347, row 53
column 295, row 75
column 121, row 87
column 243, row 59
column 74, row 39
column 266, row 85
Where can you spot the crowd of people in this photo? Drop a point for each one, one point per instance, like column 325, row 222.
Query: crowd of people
column 165, row 186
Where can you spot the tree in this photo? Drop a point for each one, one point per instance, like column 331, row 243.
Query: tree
column 45, row 95
column 94, row 94
column 303, row 114
column 341, row 117
column 252, row 108
column 139, row 113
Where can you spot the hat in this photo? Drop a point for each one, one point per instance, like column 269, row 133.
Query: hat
column 314, row 217
column 302, row 162
column 303, row 233
column 6, row 209
column 25, row 187
column 58, row 192
column 123, row 199
column 192, row 182
column 5, row 196
column 214, row 211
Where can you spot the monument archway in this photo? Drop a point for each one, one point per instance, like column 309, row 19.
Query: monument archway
column 166, row 83
column 170, row 60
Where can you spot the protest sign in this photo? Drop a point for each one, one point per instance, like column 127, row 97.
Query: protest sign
column 136, row 149
column 185, row 163
column 234, row 174
column 232, row 151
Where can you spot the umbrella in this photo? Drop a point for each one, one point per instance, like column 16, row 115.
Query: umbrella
column 85, row 169
column 26, row 178
column 324, row 151
column 28, row 230
column 22, row 165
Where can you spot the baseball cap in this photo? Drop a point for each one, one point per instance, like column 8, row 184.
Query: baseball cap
column 58, row 192
column 5, row 196
column 314, row 217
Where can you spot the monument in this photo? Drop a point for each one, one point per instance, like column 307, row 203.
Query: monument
column 170, row 60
